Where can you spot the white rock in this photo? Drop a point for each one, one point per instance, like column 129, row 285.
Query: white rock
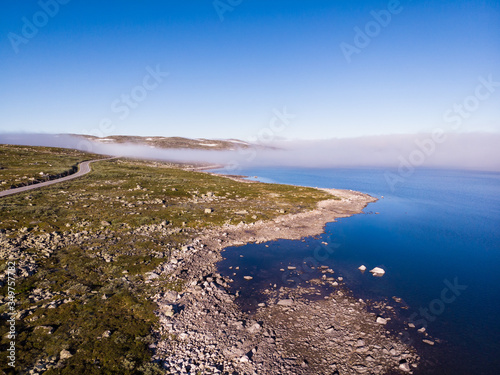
column 285, row 302
column 254, row 328
column 377, row 271
column 381, row 320
column 248, row 277
column 362, row 268
column 106, row 334
column 244, row 359
column 404, row 367
column 428, row 342
column 64, row 354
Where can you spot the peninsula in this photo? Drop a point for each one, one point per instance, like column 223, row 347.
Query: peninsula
column 116, row 270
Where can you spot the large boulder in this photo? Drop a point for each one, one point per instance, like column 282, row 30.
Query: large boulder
column 377, row 271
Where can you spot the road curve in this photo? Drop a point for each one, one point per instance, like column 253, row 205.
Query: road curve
column 83, row 169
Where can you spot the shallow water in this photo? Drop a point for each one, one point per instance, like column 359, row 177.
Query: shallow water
column 434, row 229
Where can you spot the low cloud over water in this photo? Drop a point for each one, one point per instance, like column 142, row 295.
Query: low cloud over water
column 478, row 151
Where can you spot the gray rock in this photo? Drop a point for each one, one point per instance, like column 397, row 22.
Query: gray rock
column 404, row 367
column 65, row 354
column 254, row 328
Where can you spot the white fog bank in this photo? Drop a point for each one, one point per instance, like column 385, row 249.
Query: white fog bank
column 472, row 151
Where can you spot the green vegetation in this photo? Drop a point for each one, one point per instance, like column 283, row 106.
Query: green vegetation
column 25, row 164
column 123, row 219
column 135, row 193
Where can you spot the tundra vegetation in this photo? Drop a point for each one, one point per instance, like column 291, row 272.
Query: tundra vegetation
column 83, row 249
column 23, row 165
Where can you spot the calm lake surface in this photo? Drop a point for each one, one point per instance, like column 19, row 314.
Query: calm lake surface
column 437, row 235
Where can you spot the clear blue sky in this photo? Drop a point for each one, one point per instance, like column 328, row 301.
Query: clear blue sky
column 227, row 76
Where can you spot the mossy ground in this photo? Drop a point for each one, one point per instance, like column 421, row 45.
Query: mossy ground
column 24, row 164
column 108, row 205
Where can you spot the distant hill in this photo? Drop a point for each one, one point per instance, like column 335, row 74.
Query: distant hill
column 171, row 142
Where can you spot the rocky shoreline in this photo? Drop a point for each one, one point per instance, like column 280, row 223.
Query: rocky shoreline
column 202, row 329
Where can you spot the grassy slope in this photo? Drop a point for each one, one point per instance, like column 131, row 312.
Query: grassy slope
column 127, row 194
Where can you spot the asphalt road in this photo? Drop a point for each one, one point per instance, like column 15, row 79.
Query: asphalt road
column 83, row 169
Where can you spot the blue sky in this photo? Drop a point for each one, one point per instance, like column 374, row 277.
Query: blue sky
column 227, row 77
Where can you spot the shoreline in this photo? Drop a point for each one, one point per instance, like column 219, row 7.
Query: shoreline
column 212, row 332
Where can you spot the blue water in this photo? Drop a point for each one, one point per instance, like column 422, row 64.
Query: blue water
column 433, row 229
